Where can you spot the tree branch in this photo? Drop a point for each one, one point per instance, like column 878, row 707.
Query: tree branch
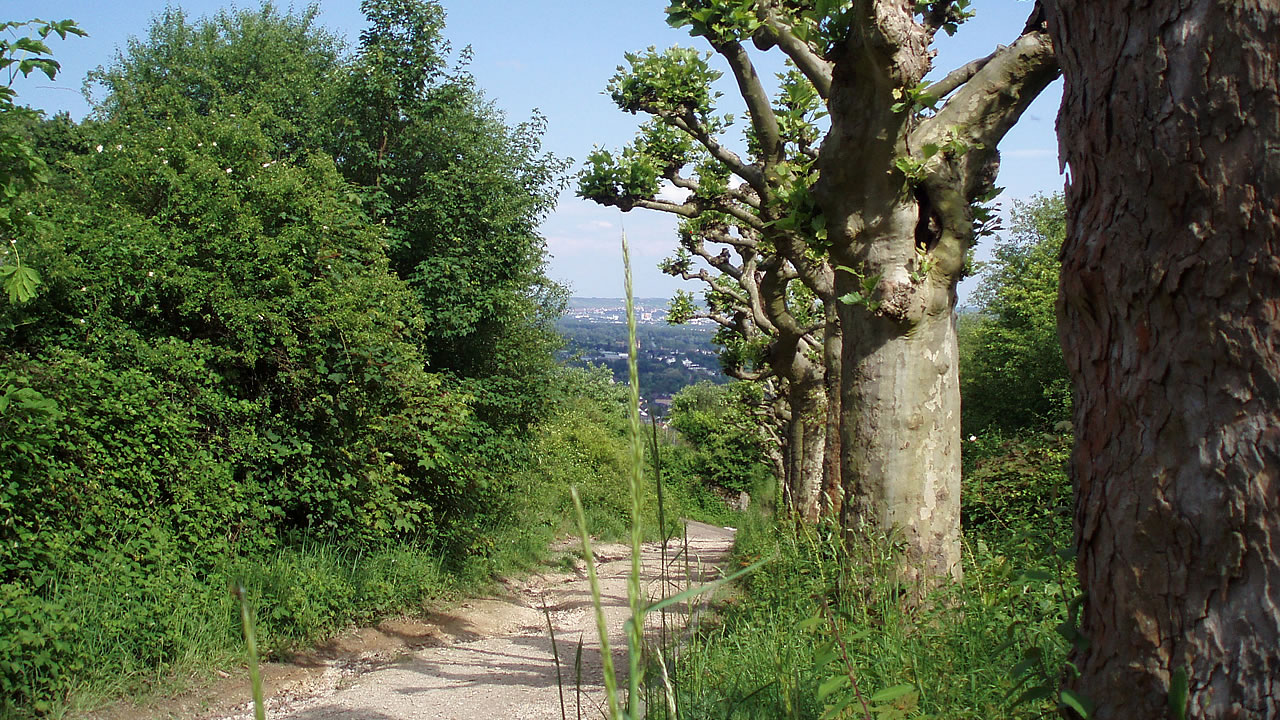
column 812, row 64
column 988, row 105
column 960, row 76
column 763, row 120
column 694, row 128
column 738, row 373
column 717, row 286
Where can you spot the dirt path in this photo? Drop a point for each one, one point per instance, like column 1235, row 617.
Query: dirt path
column 492, row 657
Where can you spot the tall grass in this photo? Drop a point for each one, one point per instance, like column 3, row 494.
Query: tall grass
column 827, row 632
column 824, row 632
column 637, row 651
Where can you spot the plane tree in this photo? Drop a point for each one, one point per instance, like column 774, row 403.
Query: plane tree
column 752, row 291
column 875, row 208
column 771, row 330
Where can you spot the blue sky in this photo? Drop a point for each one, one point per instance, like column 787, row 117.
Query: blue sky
column 556, row 56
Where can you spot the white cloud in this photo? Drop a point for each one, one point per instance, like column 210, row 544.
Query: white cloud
column 671, row 193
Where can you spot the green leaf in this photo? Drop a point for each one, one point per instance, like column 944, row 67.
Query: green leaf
column 1039, row 692
column 891, row 693
column 1178, row 693
column 831, row 685
column 809, row 623
column 835, row 710
column 20, row 282
column 1077, row 702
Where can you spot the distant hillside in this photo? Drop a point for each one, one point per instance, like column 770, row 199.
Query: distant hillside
column 580, row 303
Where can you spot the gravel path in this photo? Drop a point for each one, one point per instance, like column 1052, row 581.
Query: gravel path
column 495, row 657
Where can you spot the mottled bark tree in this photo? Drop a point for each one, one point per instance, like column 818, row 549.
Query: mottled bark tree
column 1170, row 321
column 888, row 199
column 898, row 186
column 770, row 328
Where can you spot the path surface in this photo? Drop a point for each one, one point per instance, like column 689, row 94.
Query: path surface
column 494, row 657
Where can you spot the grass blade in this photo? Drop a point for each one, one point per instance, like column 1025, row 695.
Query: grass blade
column 634, row 592
column 602, row 627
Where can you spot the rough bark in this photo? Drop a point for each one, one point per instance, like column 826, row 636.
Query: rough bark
column 1170, row 324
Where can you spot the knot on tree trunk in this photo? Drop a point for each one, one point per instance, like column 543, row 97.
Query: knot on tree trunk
column 899, row 300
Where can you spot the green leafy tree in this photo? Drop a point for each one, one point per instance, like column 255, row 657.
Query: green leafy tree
column 21, row 168
column 461, row 193
column 890, row 196
column 720, row 423
column 1012, row 372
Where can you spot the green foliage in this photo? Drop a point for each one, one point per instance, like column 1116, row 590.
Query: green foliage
column 270, row 326
column 133, row 618
column 798, row 109
column 716, row 423
column 683, row 306
column 914, row 100
column 676, row 81
column 824, row 616
column 628, row 176
column 946, row 14
column 21, row 168
column 865, row 295
column 824, row 23
column 1016, row 489
column 720, row 21
column 1012, row 371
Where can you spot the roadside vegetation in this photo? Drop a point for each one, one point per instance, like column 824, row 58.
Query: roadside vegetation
column 823, row 630
column 277, row 317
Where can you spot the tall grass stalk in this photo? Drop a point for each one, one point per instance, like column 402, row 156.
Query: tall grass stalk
column 602, row 627
column 634, row 592
column 251, row 642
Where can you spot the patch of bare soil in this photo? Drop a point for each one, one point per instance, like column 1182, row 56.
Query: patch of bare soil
column 486, row 658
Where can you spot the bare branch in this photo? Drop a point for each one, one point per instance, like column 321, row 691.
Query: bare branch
column 960, row 76
column 689, row 210
column 745, row 197
column 717, row 286
column 763, row 120
column 690, row 124
column 718, row 318
column 738, row 373
column 987, row 106
column 812, row 64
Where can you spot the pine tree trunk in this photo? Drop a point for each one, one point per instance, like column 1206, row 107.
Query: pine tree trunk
column 1170, row 322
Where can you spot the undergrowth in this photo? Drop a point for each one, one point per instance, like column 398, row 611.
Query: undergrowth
column 805, row 629
column 137, row 620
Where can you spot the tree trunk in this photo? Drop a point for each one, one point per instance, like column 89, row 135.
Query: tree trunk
column 900, row 429
column 808, row 439
column 1170, row 322
column 832, row 489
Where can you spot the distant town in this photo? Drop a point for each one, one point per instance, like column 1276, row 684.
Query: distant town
column 669, row 357
column 649, row 311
